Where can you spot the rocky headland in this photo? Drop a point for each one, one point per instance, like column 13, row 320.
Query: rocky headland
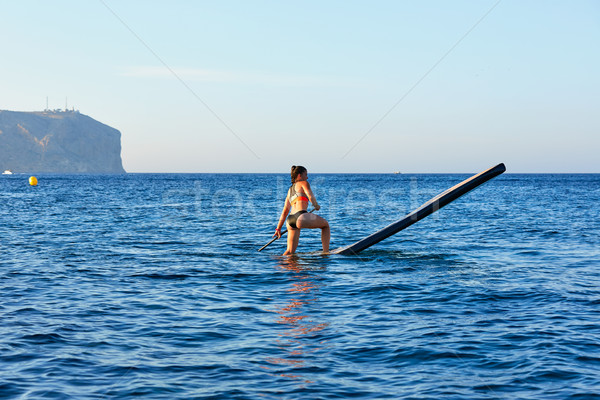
column 58, row 142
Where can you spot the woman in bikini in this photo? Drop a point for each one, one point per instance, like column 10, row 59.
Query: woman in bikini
column 297, row 200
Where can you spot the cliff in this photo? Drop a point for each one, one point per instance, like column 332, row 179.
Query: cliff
column 58, row 142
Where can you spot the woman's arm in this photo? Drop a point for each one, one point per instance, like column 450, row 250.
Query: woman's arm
column 311, row 195
column 284, row 214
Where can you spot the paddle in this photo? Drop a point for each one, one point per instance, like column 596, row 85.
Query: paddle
column 282, row 233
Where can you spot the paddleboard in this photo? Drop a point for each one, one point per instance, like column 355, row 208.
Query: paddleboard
column 425, row 210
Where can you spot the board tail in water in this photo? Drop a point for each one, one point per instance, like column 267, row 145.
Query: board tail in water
column 426, row 209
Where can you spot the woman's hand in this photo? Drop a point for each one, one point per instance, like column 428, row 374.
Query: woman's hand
column 277, row 233
column 317, row 206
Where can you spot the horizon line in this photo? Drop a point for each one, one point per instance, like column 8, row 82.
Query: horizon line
column 287, row 173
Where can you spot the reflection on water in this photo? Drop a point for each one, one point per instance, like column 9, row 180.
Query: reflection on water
column 300, row 342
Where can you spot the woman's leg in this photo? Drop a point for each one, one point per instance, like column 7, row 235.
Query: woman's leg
column 292, row 240
column 312, row 221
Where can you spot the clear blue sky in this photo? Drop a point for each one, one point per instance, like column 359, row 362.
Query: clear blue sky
column 304, row 82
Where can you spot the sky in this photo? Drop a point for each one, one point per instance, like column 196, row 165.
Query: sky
column 337, row 86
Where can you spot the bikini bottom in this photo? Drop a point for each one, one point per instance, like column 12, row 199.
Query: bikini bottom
column 292, row 218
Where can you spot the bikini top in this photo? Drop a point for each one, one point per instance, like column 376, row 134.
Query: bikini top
column 295, row 196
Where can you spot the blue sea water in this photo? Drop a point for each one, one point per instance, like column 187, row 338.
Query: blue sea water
column 151, row 286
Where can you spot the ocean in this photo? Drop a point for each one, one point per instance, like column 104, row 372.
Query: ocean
column 150, row 286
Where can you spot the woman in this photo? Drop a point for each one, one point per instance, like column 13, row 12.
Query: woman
column 297, row 200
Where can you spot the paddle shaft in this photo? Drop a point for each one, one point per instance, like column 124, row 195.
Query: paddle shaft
column 275, row 238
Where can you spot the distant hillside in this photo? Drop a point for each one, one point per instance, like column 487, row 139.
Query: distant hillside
column 59, row 142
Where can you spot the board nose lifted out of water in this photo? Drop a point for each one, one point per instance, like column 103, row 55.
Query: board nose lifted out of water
column 425, row 210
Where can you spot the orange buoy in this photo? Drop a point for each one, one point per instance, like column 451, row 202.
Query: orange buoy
column 33, row 181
